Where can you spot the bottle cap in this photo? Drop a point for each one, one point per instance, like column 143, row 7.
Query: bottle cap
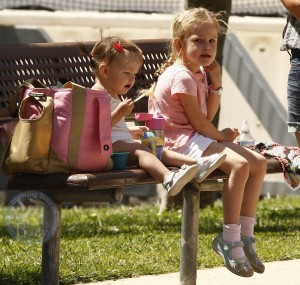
column 245, row 126
column 157, row 123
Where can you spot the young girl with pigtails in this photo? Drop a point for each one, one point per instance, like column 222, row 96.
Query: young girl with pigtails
column 115, row 63
column 182, row 96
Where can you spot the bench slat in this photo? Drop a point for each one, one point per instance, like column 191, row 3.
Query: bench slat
column 100, row 180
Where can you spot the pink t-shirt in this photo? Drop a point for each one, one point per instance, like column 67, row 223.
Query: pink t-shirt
column 174, row 80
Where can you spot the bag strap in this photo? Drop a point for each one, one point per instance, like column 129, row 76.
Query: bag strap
column 104, row 124
column 19, row 94
column 33, row 82
column 73, row 85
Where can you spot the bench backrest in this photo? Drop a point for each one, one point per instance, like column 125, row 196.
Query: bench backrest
column 49, row 62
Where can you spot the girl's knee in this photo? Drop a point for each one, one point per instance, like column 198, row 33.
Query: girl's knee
column 240, row 168
column 238, row 164
column 260, row 164
column 242, row 164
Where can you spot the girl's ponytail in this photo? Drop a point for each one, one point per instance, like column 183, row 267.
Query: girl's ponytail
column 84, row 50
column 165, row 65
column 150, row 92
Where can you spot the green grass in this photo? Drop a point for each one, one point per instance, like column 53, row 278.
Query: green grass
column 118, row 242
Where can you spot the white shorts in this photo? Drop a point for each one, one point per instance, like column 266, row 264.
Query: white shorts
column 195, row 146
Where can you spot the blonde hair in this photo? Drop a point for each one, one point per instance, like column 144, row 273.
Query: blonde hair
column 107, row 49
column 182, row 26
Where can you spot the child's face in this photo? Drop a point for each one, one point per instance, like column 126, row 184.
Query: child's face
column 121, row 75
column 200, row 47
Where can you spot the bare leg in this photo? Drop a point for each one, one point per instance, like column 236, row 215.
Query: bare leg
column 257, row 172
column 141, row 155
column 172, row 158
column 237, row 169
column 172, row 181
column 246, row 170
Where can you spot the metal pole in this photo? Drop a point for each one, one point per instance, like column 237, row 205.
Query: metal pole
column 51, row 245
column 189, row 235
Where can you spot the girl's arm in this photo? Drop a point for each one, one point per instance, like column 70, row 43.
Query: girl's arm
column 201, row 124
column 213, row 100
column 293, row 6
column 213, row 103
column 123, row 109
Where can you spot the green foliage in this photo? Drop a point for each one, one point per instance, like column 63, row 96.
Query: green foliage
column 113, row 242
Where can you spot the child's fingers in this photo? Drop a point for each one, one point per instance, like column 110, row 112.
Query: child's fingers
column 144, row 128
column 129, row 101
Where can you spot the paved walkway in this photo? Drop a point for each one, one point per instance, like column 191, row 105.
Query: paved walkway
column 277, row 273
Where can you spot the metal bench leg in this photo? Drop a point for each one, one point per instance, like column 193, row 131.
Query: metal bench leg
column 189, row 235
column 50, row 250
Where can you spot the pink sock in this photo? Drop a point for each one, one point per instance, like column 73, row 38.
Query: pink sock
column 247, row 227
column 232, row 233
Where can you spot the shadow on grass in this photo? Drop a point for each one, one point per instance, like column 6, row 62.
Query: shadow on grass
column 3, row 232
column 22, row 278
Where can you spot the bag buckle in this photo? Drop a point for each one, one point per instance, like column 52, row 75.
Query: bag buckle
column 37, row 96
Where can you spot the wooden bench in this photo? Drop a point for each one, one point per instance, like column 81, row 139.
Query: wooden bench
column 49, row 62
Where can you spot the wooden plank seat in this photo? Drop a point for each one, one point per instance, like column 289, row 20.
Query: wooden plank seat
column 103, row 180
column 49, row 62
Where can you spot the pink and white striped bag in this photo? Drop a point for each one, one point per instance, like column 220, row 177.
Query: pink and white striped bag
column 61, row 130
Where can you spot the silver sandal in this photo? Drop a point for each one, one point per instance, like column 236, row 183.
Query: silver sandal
column 251, row 255
column 238, row 266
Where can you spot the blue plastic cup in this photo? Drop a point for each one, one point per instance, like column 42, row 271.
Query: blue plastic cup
column 120, row 160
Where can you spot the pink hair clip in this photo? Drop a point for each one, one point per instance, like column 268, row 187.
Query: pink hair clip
column 118, row 47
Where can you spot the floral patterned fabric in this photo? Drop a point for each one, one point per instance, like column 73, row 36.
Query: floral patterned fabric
column 288, row 156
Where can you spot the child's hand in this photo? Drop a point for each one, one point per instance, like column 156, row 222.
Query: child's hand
column 137, row 131
column 230, row 134
column 214, row 72
column 125, row 107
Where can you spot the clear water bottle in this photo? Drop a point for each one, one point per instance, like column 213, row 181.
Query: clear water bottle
column 245, row 138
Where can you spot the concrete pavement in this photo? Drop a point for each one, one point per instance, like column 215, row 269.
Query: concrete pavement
column 276, row 273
